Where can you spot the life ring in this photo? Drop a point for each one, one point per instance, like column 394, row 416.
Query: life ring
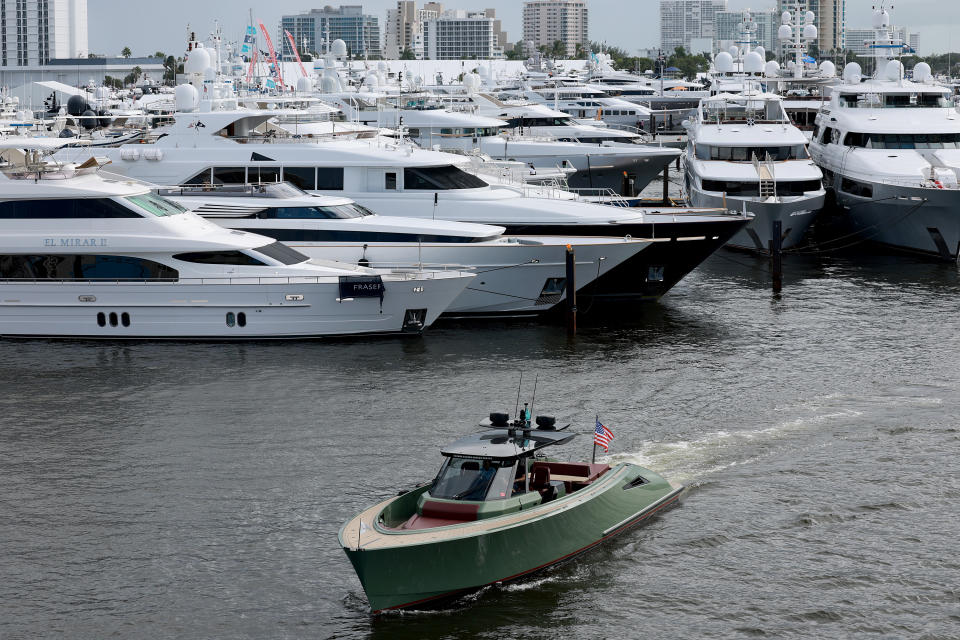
column 938, row 184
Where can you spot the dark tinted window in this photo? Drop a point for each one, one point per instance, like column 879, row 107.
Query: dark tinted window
column 440, row 178
column 342, row 211
column 390, row 180
column 263, row 174
column 303, row 177
column 201, row 178
column 328, row 235
column 83, row 267
column 219, row 257
column 282, row 253
column 229, row 175
column 66, row 208
column 856, row 188
column 330, row 178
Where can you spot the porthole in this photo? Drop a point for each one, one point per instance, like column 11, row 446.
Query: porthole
column 113, row 319
column 242, row 319
column 102, row 319
column 231, row 319
column 125, row 319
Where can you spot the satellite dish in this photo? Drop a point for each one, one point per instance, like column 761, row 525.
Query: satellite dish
column 753, row 63
column 852, row 73
column 338, row 48
column 827, row 69
column 808, row 17
column 809, row 32
column 785, row 18
column 723, row 62
column 197, row 61
column 329, row 85
column 884, row 19
column 921, row 72
column 303, row 84
column 785, row 32
column 186, row 97
column 771, row 69
column 734, row 52
column 762, row 52
column 894, row 70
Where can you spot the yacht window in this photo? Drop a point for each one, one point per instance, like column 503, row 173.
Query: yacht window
column 220, row 257
column 440, row 178
column 703, row 152
column 201, row 178
column 797, row 187
column 229, row 175
column 65, row 208
column 263, row 174
column 340, row 211
column 303, row 177
column 156, row 205
column 83, row 267
column 282, row 253
column 471, row 479
column 732, row 188
column 330, row 178
column 855, row 188
column 816, row 131
column 390, row 181
column 344, row 235
column 827, row 136
column 904, row 140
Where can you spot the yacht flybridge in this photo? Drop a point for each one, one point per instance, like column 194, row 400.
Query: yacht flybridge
column 890, row 150
column 82, row 256
column 516, row 275
column 744, row 154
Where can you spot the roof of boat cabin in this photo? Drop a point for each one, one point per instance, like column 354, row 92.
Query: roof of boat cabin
column 505, row 443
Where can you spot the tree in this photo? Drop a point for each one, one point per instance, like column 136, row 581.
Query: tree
column 516, row 53
column 137, row 73
column 159, row 54
column 689, row 65
column 170, row 69
column 407, row 55
column 126, row 53
column 558, row 50
column 581, row 53
column 115, row 83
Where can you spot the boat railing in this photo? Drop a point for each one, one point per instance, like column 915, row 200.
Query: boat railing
column 601, row 195
column 408, row 271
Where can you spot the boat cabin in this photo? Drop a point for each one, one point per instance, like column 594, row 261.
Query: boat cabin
column 498, row 472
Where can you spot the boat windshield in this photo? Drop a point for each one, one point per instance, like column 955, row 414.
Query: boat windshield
column 474, row 479
column 156, row 205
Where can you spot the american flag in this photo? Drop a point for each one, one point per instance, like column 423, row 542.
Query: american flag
column 602, row 436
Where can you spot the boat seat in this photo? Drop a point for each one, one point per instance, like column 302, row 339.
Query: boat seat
column 540, row 482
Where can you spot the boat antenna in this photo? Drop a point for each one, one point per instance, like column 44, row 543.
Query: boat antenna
column 519, row 384
column 534, row 398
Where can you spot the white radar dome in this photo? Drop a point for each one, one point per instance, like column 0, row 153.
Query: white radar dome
column 809, row 32
column 329, row 85
column 371, row 81
column 303, row 84
column 753, row 63
column 382, row 67
column 186, row 97
column 102, row 93
column 733, row 51
column 893, row 70
column 785, row 32
column 852, row 73
column 762, row 52
column 723, row 62
column 771, row 69
column 921, row 72
column 197, row 61
column 828, row 69
column 338, row 48
column 785, row 17
column 808, row 17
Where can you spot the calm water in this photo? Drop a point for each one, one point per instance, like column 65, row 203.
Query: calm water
column 194, row 490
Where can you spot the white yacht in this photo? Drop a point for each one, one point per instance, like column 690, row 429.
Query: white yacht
column 82, row 256
column 220, row 143
column 744, row 154
column 516, row 275
column 890, row 150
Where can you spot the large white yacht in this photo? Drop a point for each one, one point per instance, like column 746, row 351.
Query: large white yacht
column 516, row 275
column 890, row 150
column 81, row 256
column 744, row 154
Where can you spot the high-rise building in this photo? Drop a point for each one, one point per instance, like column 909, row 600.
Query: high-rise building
column 401, row 31
column 829, row 17
column 460, row 35
column 685, row 21
column 32, row 32
column 856, row 40
column 316, row 29
column 728, row 29
column 547, row 21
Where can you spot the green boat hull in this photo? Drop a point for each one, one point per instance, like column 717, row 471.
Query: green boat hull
column 400, row 568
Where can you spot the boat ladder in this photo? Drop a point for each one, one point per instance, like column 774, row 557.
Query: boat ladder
column 768, row 184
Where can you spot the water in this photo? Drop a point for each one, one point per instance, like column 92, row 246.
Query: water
column 157, row 490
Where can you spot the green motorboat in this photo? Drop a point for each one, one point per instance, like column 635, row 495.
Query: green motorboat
column 498, row 510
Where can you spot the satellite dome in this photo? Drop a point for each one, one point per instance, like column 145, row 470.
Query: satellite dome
column 303, row 84
column 734, row 51
column 102, row 93
column 809, row 32
column 808, row 17
column 371, row 81
column 329, row 85
column 893, row 70
column 852, row 73
column 828, row 69
column 921, row 72
column 785, row 32
column 382, row 67
column 723, row 62
column 753, row 63
column 761, row 51
column 210, row 74
column 884, row 18
column 197, row 60
column 771, row 69
column 785, row 17
column 338, row 48
column 417, row 80
column 186, row 97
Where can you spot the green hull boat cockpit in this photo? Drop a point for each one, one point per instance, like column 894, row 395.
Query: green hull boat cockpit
column 495, row 490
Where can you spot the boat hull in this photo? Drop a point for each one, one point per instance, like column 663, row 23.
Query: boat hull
column 415, row 569
column 795, row 215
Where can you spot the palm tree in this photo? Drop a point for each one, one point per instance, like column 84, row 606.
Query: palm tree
column 126, row 53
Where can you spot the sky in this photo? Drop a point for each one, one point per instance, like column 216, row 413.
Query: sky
column 629, row 24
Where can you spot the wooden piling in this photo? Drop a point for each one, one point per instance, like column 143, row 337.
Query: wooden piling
column 571, row 285
column 776, row 255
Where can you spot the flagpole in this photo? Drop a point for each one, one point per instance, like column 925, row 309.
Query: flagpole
column 593, row 458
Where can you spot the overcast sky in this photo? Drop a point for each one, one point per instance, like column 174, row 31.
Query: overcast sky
column 630, row 24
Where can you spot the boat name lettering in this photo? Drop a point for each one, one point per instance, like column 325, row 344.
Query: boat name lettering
column 74, row 242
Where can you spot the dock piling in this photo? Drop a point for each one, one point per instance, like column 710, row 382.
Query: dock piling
column 571, row 285
column 776, row 255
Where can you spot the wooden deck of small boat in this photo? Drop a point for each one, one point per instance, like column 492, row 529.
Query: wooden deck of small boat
column 374, row 537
